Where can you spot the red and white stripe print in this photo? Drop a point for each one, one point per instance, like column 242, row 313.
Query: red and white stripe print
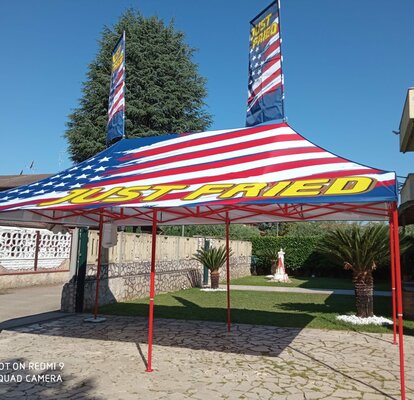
column 261, row 154
column 270, row 77
column 117, row 102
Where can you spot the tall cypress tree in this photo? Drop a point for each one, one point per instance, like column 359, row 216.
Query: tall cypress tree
column 164, row 91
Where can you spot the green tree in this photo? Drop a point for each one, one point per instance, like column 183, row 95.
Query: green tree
column 298, row 229
column 359, row 249
column 312, row 228
column 164, row 91
column 273, row 228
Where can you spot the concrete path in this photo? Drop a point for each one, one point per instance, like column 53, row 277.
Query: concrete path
column 198, row 361
column 36, row 302
column 286, row 289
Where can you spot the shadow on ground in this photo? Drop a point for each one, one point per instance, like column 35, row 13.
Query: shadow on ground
column 18, row 381
column 343, row 305
column 192, row 333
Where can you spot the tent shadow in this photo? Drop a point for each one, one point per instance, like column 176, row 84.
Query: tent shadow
column 193, row 333
column 341, row 305
column 193, row 327
column 197, row 332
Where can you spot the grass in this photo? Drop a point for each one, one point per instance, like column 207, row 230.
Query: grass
column 309, row 283
column 260, row 308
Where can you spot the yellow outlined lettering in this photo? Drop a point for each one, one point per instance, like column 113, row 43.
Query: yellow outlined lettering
column 72, row 194
column 306, row 187
column 276, row 189
column 161, row 190
column 247, row 189
column 311, row 187
column 350, row 185
column 127, row 194
column 85, row 198
column 208, row 189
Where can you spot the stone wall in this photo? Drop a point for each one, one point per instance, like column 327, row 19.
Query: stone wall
column 125, row 270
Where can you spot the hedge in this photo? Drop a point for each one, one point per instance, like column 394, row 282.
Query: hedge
column 300, row 252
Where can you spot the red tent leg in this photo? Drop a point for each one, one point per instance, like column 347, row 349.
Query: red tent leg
column 152, row 290
column 399, row 298
column 394, row 300
column 98, row 269
column 228, row 270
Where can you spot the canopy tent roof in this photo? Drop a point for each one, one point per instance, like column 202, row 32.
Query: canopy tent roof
column 265, row 173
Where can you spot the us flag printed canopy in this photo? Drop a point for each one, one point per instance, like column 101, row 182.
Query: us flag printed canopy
column 265, row 173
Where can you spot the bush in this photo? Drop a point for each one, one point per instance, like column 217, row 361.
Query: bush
column 301, row 252
column 303, row 258
column 237, row 231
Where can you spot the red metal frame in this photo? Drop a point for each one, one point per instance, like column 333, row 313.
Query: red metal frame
column 285, row 212
column 399, row 297
column 394, row 301
column 294, row 212
column 395, row 260
column 228, row 269
column 152, row 289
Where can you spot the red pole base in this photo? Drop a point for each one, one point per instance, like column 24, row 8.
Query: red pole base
column 149, row 370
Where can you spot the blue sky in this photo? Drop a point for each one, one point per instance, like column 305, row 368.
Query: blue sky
column 347, row 67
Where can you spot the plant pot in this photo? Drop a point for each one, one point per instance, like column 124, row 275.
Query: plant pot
column 214, row 277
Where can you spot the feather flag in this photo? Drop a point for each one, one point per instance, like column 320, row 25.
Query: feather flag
column 265, row 88
column 116, row 104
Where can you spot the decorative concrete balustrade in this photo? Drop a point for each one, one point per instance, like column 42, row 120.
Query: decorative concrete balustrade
column 25, row 249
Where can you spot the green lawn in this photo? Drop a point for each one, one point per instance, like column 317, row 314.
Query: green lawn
column 261, row 308
column 309, row 283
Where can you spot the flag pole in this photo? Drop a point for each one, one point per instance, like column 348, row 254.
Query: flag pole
column 123, row 115
column 393, row 289
column 95, row 318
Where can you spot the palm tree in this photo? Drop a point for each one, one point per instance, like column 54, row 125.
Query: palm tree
column 213, row 258
column 359, row 248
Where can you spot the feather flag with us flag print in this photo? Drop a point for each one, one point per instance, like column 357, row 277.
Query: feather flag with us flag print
column 265, row 87
column 116, row 105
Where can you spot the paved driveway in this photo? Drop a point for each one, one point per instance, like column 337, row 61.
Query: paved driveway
column 16, row 303
column 198, row 360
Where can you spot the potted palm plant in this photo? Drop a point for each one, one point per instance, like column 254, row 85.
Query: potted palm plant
column 213, row 259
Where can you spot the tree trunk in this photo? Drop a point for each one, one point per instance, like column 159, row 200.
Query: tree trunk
column 215, row 277
column 364, row 294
